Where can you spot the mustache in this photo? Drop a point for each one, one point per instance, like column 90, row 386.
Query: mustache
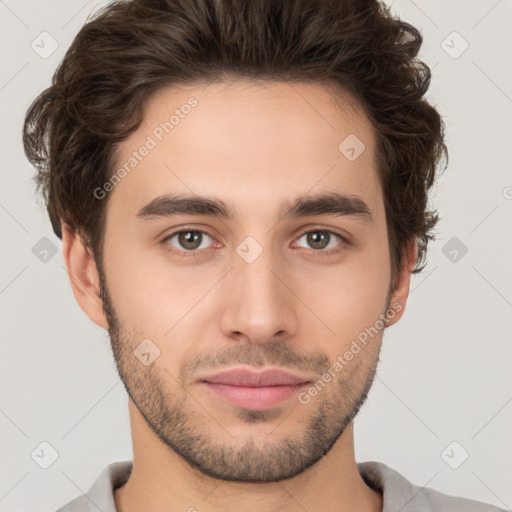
column 279, row 353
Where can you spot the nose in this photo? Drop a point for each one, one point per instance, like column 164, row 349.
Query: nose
column 259, row 304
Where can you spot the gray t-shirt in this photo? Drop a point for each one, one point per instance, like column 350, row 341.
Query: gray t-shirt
column 398, row 493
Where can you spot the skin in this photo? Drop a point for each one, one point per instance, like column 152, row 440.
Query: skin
column 253, row 145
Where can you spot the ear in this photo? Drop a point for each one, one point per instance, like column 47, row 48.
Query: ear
column 83, row 275
column 401, row 292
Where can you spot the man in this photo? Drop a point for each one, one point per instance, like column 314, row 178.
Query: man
column 241, row 192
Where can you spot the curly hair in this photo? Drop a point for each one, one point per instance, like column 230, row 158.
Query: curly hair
column 130, row 49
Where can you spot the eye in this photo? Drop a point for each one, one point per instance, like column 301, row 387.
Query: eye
column 188, row 240
column 322, row 239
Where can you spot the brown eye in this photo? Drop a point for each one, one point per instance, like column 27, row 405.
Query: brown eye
column 320, row 239
column 188, row 240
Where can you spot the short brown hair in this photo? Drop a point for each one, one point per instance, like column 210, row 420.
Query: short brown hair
column 130, row 49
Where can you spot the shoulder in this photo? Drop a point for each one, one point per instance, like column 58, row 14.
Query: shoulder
column 79, row 504
column 100, row 495
column 401, row 494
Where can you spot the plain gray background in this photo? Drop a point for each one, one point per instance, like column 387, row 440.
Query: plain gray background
column 444, row 375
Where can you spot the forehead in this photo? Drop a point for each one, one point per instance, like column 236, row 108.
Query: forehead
column 248, row 142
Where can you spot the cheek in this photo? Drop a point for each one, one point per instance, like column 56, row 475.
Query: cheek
column 149, row 296
column 353, row 311
column 351, row 298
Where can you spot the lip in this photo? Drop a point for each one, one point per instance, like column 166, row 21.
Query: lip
column 256, row 391
column 243, row 377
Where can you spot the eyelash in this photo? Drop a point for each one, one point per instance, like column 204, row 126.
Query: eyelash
column 317, row 253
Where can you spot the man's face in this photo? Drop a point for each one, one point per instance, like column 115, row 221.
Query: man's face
column 253, row 291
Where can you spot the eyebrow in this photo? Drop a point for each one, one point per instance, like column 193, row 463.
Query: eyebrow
column 305, row 206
